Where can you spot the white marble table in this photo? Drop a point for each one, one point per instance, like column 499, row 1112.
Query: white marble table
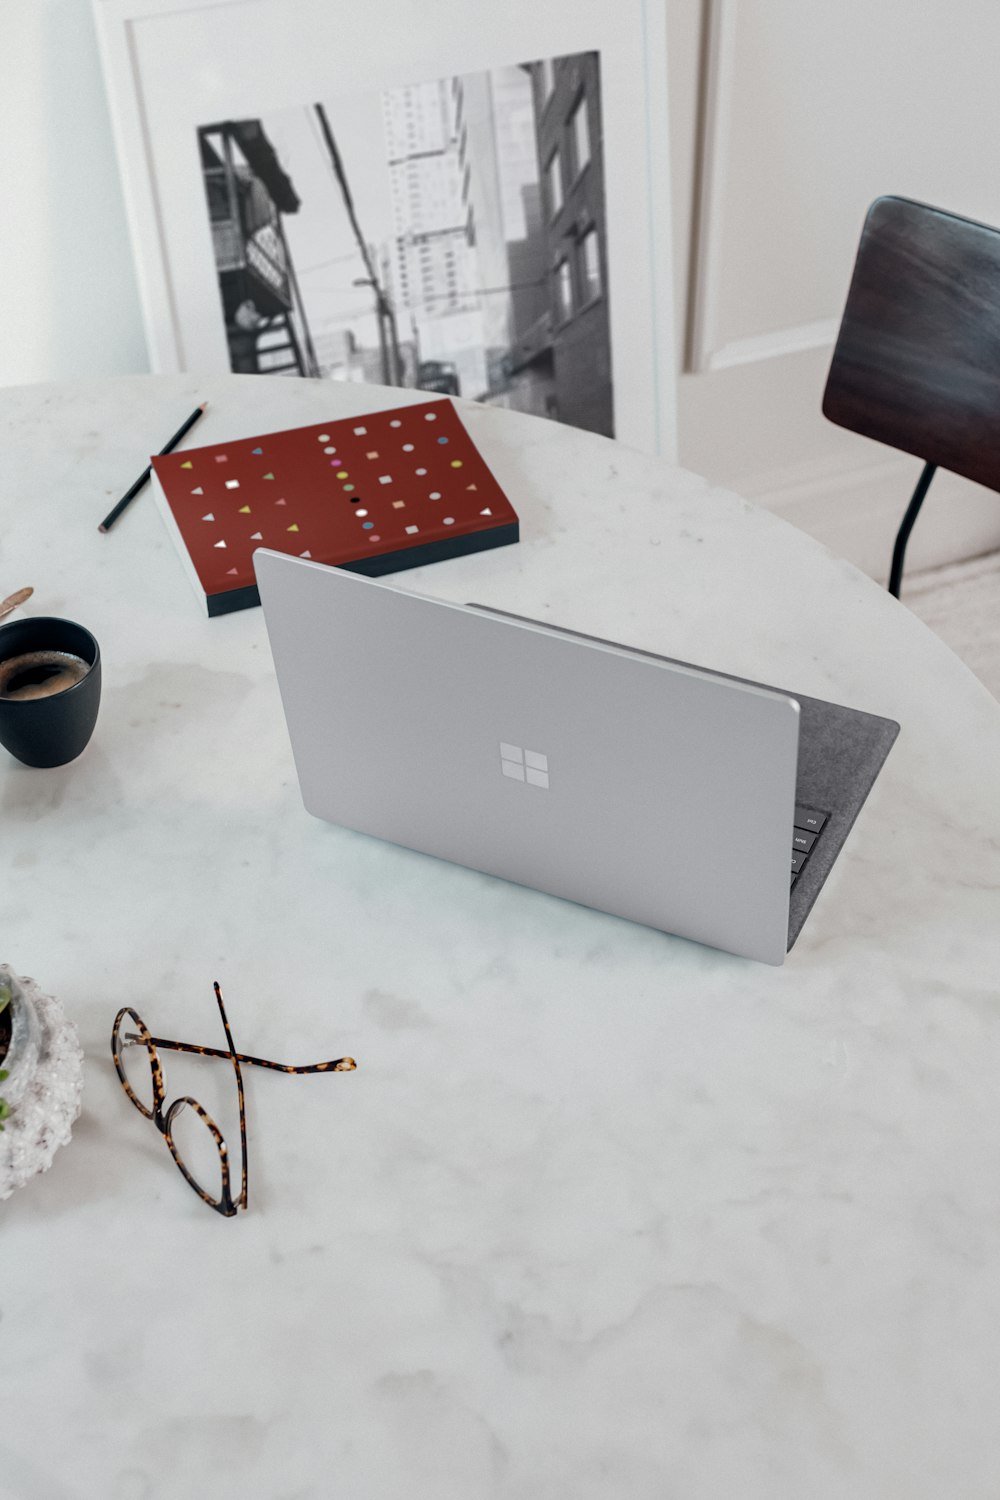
column 602, row 1213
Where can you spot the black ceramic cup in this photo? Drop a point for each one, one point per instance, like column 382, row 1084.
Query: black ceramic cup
column 50, row 731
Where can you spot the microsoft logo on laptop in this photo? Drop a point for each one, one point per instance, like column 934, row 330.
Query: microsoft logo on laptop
column 524, row 765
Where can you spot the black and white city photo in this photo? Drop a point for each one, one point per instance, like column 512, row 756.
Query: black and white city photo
column 447, row 235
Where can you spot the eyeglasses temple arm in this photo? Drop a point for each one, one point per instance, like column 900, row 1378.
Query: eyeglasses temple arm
column 336, row 1065
column 239, row 1089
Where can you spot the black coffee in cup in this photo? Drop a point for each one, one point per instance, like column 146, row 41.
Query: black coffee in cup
column 50, row 689
column 39, row 674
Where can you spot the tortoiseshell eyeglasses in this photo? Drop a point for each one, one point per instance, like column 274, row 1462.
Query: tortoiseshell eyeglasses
column 201, row 1154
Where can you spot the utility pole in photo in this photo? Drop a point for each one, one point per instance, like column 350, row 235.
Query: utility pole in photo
column 385, row 317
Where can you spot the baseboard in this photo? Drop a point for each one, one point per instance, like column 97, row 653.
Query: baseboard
column 856, row 511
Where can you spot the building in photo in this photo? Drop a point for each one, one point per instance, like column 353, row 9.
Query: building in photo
column 567, row 106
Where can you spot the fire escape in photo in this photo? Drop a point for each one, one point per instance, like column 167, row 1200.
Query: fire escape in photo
column 248, row 191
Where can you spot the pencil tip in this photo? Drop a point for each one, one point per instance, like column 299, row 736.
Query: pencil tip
column 102, row 527
column 203, row 405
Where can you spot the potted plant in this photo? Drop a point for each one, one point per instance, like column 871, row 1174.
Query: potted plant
column 42, row 1075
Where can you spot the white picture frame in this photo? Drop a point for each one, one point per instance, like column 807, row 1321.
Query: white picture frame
column 171, row 66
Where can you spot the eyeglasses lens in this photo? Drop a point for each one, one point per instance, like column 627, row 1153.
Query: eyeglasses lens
column 198, row 1149
column 136, row 1063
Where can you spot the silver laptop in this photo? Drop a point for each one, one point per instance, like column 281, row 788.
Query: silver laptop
column 700, row 804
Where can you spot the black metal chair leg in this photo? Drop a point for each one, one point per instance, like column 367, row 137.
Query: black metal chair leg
column 906, row 526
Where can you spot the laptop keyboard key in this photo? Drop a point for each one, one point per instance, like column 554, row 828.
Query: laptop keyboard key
column 808, row 827
column 810, row 820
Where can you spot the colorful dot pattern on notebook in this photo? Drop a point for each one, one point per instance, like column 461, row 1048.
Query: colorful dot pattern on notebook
column 342, row 492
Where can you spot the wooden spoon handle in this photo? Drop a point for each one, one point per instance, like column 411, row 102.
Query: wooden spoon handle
column 13, row 600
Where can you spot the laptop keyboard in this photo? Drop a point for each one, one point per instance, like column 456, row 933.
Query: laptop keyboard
column 809, row 824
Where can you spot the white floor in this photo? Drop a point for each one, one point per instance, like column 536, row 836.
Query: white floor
column 961, row 603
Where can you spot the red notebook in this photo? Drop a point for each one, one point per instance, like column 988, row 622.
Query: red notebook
column 374, row 494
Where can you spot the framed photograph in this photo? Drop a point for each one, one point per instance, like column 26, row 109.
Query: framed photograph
column 466, row 200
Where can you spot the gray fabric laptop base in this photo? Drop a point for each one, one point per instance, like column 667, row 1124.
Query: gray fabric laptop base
column 841, row 751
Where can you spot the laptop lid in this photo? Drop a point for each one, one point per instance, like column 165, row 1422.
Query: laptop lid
column 642, row 787
column 841, row 752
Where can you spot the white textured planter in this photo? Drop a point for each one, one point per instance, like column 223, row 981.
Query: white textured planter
column 45, row 1063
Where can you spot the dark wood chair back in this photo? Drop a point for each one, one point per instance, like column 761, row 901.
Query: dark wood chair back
column 917, row 359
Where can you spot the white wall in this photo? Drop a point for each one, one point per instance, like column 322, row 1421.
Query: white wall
column 70, row 305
